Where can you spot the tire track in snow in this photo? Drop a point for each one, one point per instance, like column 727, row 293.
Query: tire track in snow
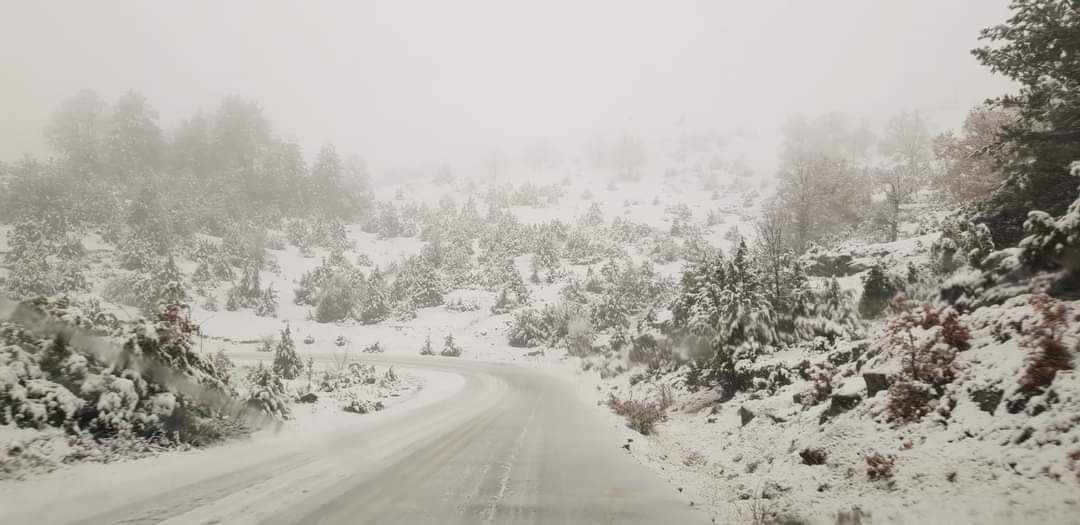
column 508, row 464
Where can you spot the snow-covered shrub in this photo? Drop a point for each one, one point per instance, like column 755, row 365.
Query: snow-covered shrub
column 266, row 392
column 136, row 254
column 879, row 289
column 820, row 377
column 650, row 349
column 722, row 317
column 344, row 376
column 961, row 242
column 427, row 349
column 388, row 222
column 335, row 288
column 155, row 388
column 579, row 338
column 450, row 348
column 549, row 325
column 1052, row 244
column 828, row 312
column 331, row 235
column 609, row 311
column 461, row 304
column 584, row 246
column 356, row 405
column 643, row 415
column 43, row 263
column 287, row 363
column 375, row 303
column 527, row 329
column 926, row 342
column 665, row 250
column 593, row 217
column 150, row 292
column 681, row 218
column 248, row 293
column 513, row 293
column 223, row 365
column 212, row 264
column 418, row 283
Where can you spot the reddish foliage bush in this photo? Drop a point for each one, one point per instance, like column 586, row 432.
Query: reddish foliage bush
column 880, row 466
column 1050, row 355
column 909, row 401
column 953, row 333
column 820, row 374
column 643, row 415
column 927, row 360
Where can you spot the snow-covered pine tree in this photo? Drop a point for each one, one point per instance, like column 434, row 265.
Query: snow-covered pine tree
column 427, row 349
column 878, row 289
column 418, row 282
column 287, row 363
column 375, row 302
column 450, row 348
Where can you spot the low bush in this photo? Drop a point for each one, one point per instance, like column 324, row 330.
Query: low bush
column 427, row 349
column 154, row 389
column 880, row 466
column 1049, row 355
column 643, row 415
column 450, row 348
column 266, row 392
column 926, row 342
column 813, row 456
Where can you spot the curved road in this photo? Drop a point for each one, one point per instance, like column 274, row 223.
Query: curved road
column 513, row 445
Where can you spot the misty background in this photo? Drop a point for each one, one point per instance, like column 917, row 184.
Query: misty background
column 409, row 83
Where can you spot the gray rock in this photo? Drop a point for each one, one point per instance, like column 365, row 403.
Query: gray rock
column 875, row 382
column 745, row 415
column 988, row 399
column 838, row 404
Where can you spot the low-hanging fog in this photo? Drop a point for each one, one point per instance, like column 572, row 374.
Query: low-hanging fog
column 410, row 83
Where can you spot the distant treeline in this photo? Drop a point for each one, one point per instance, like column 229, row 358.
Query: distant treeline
column 110, row 161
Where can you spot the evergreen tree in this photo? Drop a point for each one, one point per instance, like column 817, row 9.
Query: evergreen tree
column 450, row 348
column 878, row 289
column 171, row 283
column 375, row 302
column 419, row 283
column 427, row 348
column 1037, row 47
column 721, row 313
column 287, row 363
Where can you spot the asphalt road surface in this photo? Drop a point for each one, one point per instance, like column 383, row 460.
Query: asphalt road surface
column 512, row 445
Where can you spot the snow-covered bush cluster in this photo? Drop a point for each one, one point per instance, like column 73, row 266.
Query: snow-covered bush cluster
column 100, row 380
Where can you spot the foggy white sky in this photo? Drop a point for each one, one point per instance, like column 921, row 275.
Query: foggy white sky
column 404, row 82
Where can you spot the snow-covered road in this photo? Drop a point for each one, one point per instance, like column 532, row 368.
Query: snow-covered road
column 483, row 442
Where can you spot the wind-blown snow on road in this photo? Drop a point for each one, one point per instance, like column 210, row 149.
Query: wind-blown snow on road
column 504, row 444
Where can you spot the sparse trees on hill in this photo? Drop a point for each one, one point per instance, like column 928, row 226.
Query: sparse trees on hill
column 907, row 146
column 971, row 168
column 823, row 185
